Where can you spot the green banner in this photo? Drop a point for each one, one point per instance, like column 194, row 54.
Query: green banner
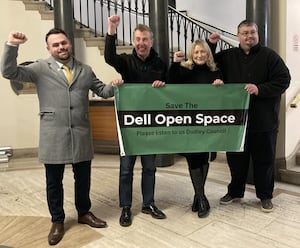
column 180, row 118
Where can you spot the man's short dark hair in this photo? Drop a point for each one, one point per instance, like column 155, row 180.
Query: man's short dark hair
column 55, row 31
column 247, row 23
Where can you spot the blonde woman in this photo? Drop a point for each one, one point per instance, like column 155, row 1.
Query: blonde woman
column 198, row 68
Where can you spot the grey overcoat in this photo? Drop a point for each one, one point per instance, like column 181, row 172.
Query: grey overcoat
column 65, row 133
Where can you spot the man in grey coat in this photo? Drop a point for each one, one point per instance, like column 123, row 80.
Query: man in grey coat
column 65, row 133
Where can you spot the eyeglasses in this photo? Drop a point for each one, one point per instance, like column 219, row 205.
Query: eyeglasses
column 253, row 32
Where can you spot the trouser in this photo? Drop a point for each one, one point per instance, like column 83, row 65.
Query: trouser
column 198, row 169
column 55, row 191
column 261, row 148
column 126, row 179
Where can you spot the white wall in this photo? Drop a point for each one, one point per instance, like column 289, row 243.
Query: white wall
column 226, row 14
column 293, row 41
column 19, row 114
column 292, row 60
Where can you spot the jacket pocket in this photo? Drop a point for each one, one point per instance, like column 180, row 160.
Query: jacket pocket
column 47, row 114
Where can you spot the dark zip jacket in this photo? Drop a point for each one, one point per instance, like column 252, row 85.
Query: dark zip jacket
column 264, row 68
column 131, row 67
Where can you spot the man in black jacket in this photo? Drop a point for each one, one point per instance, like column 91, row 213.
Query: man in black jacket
column 142, row 66
column 266, row 77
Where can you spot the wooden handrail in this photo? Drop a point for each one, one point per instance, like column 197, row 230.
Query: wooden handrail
column 295, row 101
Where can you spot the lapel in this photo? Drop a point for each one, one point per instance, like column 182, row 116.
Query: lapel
column 54, row 67
column 77, row 67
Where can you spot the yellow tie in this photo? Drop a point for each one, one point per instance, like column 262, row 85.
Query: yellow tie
column 69, row 75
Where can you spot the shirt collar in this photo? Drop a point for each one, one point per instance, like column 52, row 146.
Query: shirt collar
column 69, row 64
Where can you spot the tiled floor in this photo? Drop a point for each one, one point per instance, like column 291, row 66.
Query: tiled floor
column 24, row 217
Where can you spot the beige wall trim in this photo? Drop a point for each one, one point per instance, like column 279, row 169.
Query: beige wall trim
column 291, row 159
column 25, row 153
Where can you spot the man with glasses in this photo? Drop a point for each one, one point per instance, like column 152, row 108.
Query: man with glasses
column 266, row 77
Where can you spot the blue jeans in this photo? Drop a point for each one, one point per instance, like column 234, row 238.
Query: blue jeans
column 126, row 179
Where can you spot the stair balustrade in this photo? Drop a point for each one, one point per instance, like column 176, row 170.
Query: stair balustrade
column 183, row 30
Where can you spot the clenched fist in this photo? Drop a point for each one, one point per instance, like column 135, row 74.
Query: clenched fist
column 113, row 23
column 16, row 38
column 179, row 56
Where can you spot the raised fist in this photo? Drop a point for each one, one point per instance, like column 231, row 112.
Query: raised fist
column 113, row 23
column 16, row 38
column 178, row 56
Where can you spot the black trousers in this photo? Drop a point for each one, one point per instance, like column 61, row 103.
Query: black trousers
column 261, row 148
column 196, row 160
column 55, row 190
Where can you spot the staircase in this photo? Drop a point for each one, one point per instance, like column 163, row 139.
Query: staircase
column 87, row 34
column 41, row 7
column 183, row 30
column 99, row 42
